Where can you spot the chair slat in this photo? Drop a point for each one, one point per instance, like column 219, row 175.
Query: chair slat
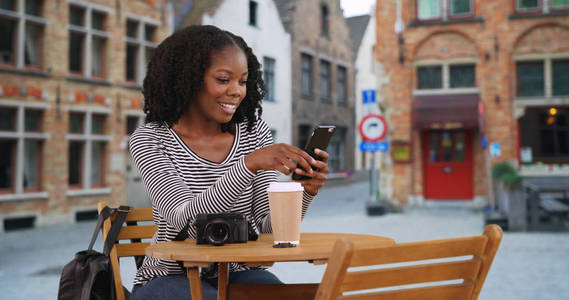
column 446, row 292
column 137, row 214
column 137, row 232
column 388, row 277
column 420, row 251
column 134, row 249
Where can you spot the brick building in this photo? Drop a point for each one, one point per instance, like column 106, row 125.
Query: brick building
column 464, row 73
column 70, row 78
column 322, row 75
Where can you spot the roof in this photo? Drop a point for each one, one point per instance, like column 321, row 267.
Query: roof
column 286, row 9
column 190, row 12
column 357, row 26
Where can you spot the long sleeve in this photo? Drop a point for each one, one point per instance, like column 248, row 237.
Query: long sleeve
column 171, row 196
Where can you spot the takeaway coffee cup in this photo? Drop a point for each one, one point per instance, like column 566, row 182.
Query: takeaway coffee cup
column 285, row 204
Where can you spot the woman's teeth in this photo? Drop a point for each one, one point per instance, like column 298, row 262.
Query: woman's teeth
column 228, row 106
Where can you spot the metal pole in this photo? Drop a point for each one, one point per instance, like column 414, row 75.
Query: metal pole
column 489, row 179
column 372, row 179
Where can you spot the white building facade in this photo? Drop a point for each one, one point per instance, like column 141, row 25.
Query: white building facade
column 258, row 22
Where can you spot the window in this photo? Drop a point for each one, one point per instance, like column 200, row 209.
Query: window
column 324, row 21
column 460, row 7
column 531, row 82
column 446, row 76
column 324, row 80
column 22, row 29
column 430, row 77
column 541, row 6
column 133, row 122
column 428, row 9
column 528, row 4
column 443, row 9
column 253, row 13
column 462, row 76
column 21, row 149
column 87, row 41
column 341, row 85
column 559, row 4
column 269, row 78
column 560, row 77
column 306, row 75
column 547, row 78
column 140, row 45
column 87, row 147
column 545, row 130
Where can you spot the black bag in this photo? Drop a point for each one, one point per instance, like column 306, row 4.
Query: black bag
column 89, row 276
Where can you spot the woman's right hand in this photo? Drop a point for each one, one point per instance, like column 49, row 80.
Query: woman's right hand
column 281, row 157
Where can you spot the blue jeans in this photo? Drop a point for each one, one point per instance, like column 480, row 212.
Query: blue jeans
column 178, row 287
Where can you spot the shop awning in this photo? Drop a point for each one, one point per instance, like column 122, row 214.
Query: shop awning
column 445, row 111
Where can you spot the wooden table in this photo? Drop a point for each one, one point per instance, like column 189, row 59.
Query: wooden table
column 314, row 247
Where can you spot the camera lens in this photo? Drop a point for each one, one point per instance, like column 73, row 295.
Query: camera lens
column 217, row 232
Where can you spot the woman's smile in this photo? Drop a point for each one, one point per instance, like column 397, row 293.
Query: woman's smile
column 228, row 108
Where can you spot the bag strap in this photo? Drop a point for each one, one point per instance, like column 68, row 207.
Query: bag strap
column 113, row 234
column 103, row 215
column 183, row 234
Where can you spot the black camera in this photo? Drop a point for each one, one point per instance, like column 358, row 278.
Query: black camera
column 219, row 229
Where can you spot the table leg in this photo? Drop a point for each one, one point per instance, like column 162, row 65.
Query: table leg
column 195, row 283
column 222, row 281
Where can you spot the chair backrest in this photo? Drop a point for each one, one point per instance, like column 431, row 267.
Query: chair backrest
column 416, row 270
column 129, row 240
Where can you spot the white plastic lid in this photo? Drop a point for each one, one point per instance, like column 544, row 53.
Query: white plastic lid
column 285, row 187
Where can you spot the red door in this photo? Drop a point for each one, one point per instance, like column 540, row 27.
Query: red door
column 447, row 157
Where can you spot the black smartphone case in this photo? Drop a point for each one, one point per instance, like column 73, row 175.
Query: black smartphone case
column 320, row 139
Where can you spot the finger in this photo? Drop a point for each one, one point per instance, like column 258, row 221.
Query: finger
column 319, row 164
column 301, row 162
column 282, row 167
column 291, row 165
column 323, row 154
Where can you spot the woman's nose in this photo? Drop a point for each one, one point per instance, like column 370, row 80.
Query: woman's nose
column 235, row 89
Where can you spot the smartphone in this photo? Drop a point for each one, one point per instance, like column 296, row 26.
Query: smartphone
column 320, row 139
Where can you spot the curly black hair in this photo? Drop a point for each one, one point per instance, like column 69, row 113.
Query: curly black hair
column 175, row 75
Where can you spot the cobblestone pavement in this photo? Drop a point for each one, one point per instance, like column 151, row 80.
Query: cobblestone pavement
column 527, row 266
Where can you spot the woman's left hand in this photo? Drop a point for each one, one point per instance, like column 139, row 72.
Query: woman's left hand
column 318, row 176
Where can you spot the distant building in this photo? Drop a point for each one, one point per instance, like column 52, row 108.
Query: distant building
column 70, row 94
column 470, row 73
column 368, row 73
column 322, row 75
column 259, row 24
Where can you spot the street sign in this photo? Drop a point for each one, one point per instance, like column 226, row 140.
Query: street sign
column 495, row 149
column 368, row 96
column 374, row 146
column 373, row 128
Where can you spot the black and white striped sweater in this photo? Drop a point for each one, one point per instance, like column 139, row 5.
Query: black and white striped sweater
column 182, row 184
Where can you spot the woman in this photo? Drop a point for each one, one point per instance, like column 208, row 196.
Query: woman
column 205, row 149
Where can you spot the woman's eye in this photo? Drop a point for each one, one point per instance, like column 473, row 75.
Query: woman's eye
column 243, row 82
column 222, row 80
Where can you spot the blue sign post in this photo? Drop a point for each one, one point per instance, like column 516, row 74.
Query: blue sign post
column 368, row 96
column 374, row 146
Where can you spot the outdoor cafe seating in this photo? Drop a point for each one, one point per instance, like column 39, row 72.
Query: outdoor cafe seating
column 467, row 261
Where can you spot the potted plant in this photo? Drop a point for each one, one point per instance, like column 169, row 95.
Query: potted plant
column 511, row 200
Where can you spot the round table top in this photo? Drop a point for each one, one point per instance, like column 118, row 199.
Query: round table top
column 313, row 246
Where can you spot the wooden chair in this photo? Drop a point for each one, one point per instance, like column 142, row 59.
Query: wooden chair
column 129, row 239
column 472, row 270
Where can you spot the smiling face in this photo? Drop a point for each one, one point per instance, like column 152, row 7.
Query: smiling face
column 225, row 85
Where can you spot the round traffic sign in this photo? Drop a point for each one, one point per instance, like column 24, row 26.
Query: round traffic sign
column 373, row 128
